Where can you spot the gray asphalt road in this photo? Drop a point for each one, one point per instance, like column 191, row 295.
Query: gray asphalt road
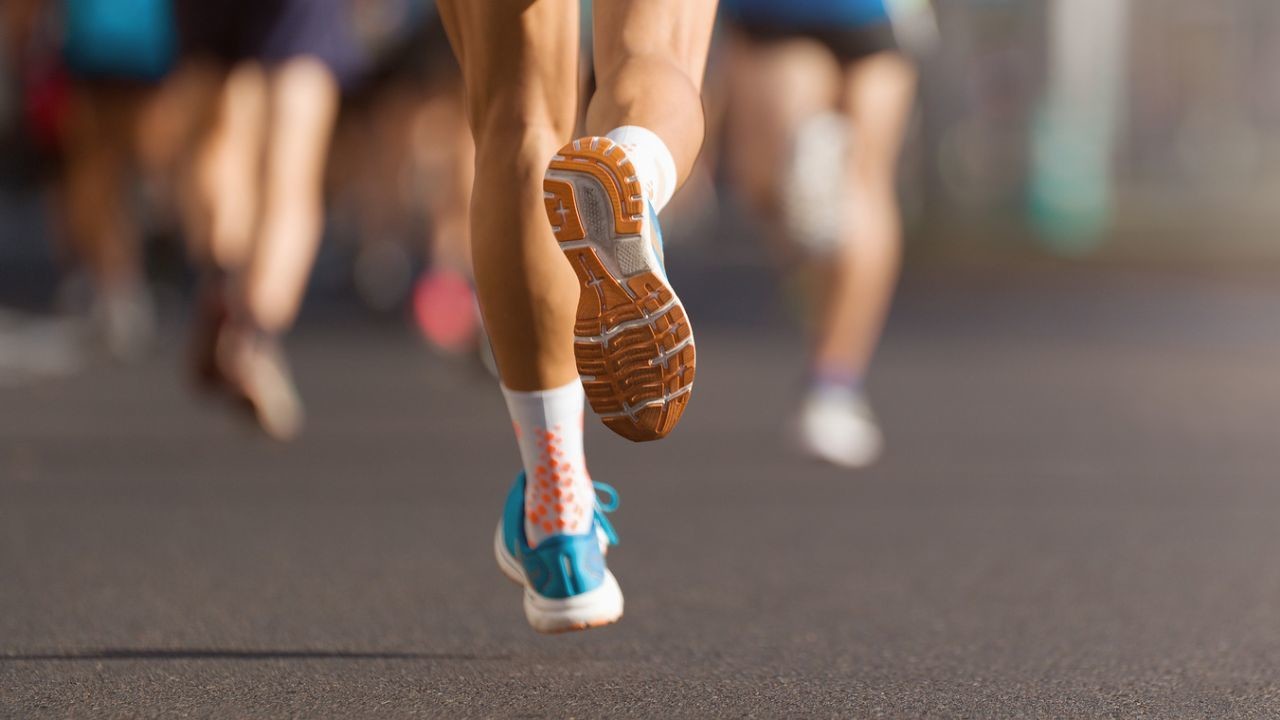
column 1077, row 518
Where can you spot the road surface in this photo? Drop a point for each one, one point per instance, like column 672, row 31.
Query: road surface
column 1079, row 516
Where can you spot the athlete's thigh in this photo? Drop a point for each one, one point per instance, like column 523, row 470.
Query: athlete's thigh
column 880, row 92
column 522, row 51
column 774, row 88
column 677, row 30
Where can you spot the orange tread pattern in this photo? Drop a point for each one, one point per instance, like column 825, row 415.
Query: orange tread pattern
column 635, row 380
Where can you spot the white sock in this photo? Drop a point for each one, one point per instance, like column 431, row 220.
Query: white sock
column 655, row 167
column 558, row 496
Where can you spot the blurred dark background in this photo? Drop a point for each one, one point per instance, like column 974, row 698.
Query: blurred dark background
column 1140, row 132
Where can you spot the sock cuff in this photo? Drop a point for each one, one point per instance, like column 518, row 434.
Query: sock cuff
column 539, row 407
column 834, row 379
column 656, row 166
column 573, row 386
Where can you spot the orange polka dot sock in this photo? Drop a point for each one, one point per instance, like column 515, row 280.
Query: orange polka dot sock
column 558, row 496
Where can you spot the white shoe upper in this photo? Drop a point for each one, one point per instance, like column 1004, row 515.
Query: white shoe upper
column 838, row 426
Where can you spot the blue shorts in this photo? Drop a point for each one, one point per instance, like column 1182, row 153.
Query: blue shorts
column 850, row 29
column 809, row 14
column 119, row 39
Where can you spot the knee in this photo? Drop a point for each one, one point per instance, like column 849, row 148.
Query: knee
column 512, row 130
column 636, row 76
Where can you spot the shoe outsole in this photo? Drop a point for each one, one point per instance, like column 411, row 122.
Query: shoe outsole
column 552, row 617
column 633, row 343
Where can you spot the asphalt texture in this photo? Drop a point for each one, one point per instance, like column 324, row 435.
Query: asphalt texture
column 1077, row 517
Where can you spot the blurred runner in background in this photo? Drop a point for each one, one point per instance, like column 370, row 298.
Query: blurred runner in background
column 272, row 69
column 98, row 104
column 820, row 96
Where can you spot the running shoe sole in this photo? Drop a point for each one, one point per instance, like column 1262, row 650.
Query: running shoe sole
column 633, row 343
column 596, row 608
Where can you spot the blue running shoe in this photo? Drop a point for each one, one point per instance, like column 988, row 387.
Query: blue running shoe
column 566, row 583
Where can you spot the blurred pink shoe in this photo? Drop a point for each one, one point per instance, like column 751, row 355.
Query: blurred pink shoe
column 444, row 307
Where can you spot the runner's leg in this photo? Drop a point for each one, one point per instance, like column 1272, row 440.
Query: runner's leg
column 879, row 91
column 302, row 105
column 650, row 56
column 519, row 65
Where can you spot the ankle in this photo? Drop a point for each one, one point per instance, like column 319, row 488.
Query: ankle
column 654, row 164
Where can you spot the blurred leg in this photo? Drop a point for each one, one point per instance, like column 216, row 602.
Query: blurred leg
column 650, row 56
column 879, row 92
column 226, row 170
column 775, row 87
column 258, row 174
column 217, row 193
column 519, row 60
column 301, row 98
column 97, row 147
column 170, row 118
column 101, row 151
column 196, row 92
column 302, row 102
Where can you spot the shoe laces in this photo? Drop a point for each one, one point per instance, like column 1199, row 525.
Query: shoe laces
column 602, row 507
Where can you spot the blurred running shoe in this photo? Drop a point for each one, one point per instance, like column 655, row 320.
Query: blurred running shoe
column 125, row 318
column 836, row 425
column 207, row 326
column 258, row 374
column 229, row 355
column 444, row 308
column 566, row 583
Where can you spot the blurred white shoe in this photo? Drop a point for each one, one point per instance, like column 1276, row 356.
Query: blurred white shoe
column 126, row 321
column 258, row 375
column 837, row 426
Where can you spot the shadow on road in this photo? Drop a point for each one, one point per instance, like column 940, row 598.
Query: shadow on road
column 214, row 654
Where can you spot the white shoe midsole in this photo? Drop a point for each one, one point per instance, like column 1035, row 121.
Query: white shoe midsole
column 595, row 607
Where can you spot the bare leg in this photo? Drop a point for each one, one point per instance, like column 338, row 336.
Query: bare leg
column 633, row 343
column 519, row 65
column 225, row 170
column 98, row 148
column 774, row 89
column 218, row 194
column 519, row 62
column 879, row 91
column 650, row 56
column 101, row 153
column 302, row 105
